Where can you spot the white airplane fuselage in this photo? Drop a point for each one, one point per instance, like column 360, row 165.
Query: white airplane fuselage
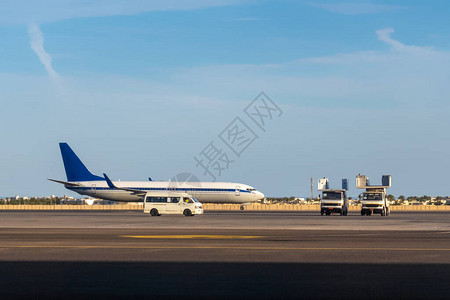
column 205, row 192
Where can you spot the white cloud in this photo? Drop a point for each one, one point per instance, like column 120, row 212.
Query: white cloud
column 384, row 35
column 404, row 75
column 26, row 11
column 399, row 51
column 37, row 44
column 349, row 8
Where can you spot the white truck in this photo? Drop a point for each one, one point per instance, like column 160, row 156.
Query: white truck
column 374, row 200
column 333, row 200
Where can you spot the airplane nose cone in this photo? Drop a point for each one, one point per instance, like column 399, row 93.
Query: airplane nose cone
column 259, row 195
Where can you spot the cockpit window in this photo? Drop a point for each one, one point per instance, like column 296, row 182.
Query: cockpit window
column 251, row 189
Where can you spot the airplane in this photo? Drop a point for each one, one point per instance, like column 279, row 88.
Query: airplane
column 83, row 182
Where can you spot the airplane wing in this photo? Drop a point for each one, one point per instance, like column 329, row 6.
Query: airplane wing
column 64, row 182
column 112, row 186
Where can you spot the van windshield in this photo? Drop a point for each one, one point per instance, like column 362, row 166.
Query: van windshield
column 195, row 200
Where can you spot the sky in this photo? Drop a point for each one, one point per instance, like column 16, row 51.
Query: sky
column 142, row 88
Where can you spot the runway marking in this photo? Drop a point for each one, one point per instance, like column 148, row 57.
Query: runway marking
column 218, row 248
column 191, row 236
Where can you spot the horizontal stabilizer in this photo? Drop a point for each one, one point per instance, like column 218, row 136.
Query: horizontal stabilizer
column 64, row 182
column 113, row 186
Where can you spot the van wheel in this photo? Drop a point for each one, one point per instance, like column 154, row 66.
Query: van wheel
column 187, row 213
column 154, row 212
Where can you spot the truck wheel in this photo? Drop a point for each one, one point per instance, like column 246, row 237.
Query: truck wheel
column 383, row 212
column 187, row 213
column 321, row 212
column 341, row 212
column 154, row 212
column 369, row 212
column 362, row 212
column 345, row 212
column 328, row 213
column 388, row 211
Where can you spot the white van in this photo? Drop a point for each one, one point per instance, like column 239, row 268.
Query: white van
column 158, row 203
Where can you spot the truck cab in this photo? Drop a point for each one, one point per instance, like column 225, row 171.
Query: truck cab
column 374, row 201
column 334, row 201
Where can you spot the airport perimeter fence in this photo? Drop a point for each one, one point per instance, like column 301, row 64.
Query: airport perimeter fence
column 218, row 207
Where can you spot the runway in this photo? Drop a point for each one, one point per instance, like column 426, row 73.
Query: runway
column 256, row 220
column 224, row 254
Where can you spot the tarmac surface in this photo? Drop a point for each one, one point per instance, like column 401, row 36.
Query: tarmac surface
column 115, row 254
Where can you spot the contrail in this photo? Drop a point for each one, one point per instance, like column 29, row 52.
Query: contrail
column 37, row 44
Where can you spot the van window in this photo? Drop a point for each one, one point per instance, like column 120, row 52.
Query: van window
column 187, row 200
column 156, row 199
column 174, row 199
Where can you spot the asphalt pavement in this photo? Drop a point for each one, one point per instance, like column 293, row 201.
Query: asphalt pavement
column 224, row 254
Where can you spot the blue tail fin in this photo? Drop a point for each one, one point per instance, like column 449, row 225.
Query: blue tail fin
column 75, row 169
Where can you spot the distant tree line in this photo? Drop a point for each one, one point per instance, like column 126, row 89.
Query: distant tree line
column 395, row 201
column 422, row 199
column 31, row 201
column 285, row 200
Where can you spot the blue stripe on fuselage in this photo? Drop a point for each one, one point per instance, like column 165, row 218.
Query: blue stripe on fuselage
column 157, row 189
